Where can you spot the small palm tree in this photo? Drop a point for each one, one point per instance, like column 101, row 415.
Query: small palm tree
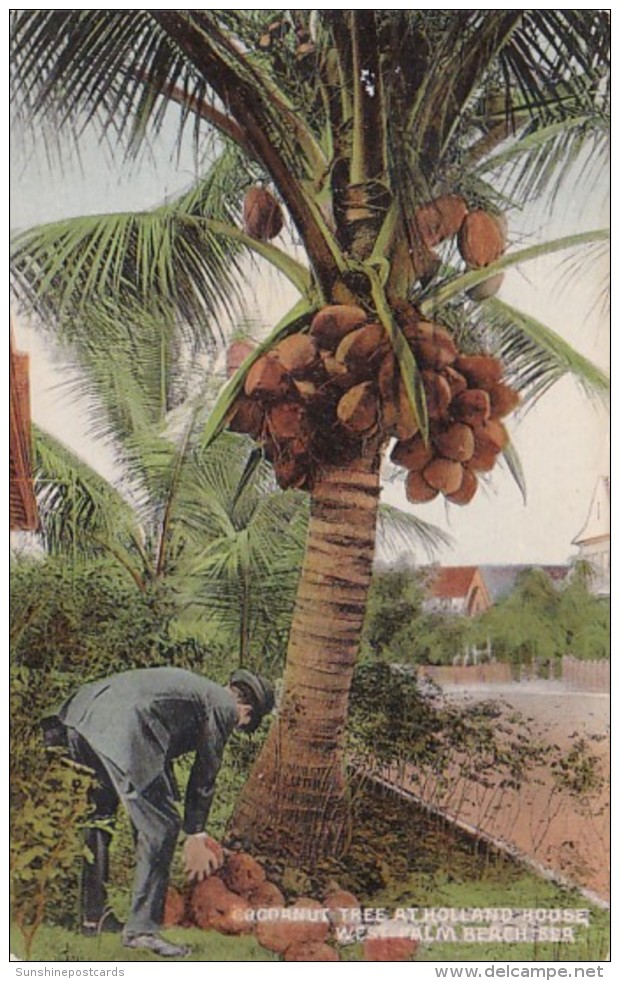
column 363, row 123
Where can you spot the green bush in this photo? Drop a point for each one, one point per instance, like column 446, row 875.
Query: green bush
column 49, row 809
column 397, row 628
column 393, row 723
column 540, row 621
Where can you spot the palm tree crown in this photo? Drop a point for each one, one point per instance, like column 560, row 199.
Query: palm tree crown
column 395, row 142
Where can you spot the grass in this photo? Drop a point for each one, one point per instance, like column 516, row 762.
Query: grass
column 54, row 943
column 400, row 858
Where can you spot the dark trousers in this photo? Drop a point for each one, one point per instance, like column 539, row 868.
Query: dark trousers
column 156, row 824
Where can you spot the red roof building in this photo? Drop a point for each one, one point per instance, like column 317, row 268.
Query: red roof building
column 458, row 589
column 23, row 514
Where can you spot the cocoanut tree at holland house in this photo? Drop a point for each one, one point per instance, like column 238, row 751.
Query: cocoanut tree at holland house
column 394, row 142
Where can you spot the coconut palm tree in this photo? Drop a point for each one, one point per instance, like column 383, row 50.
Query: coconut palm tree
column 382, row 134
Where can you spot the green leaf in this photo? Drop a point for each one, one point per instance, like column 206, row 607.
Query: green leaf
column 515, row 467
column 535, row 356
column 410, row 373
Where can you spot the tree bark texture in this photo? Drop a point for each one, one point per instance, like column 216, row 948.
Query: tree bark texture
column 295, row 801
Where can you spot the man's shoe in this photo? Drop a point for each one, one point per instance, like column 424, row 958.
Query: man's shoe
column 109, row 923
column 156, row 944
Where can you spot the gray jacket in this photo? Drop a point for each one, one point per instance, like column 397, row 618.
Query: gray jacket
column 141, row 720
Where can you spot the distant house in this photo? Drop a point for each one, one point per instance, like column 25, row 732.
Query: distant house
column 472, row 589
column 23, row 514
column 457, row 589
column 594, row 539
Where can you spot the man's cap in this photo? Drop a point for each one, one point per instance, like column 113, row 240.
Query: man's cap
column 261, row 692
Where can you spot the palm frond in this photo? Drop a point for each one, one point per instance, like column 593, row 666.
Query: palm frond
column 557, row 59
column 442, row 294
column 80, row 510
column 72, row 68
column 400, row 530
column 513, row 462
column 535, row 356
column 186, row 257
column 539, row 159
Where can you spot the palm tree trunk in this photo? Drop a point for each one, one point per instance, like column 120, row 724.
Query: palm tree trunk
column 296, row 799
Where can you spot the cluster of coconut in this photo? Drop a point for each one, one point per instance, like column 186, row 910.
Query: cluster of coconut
column 467, row 399
column 481, row 237
column 316, row 397
column 230, row 900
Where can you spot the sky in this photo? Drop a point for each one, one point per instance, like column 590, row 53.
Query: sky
column 563, row 441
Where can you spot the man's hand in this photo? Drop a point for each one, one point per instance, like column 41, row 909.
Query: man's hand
column 202, row 856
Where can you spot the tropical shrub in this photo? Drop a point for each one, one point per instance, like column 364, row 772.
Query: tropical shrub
column 540, row 621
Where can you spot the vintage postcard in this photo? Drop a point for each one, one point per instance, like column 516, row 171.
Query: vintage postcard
column 310, row 487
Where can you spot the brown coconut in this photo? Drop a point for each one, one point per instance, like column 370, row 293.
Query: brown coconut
column 504, row 400
column 236, row 353
column 413, row 454
column 287, row 420
column 307, row 390
column 278, row 935
column 174, row 908
column 456, row 381
column 489, row 287
column 406, row 316
column 358, row 409
column 337, row 902
column 389, row 948
column 242, row 873
column 262, row 215
column 444, row 475
column 491, row 435
column 387, row 377
column 315, row 921
column 467, row 490
column 438, row 394
column 311, row 951
column 483, row 459
column 387, row 383
column 337, row 374
column 235, row 920
column 362, row 346
column 266, row 896
column 267, row 379
column 456, row 442
column 291, row 471
column 441, row 218
column 432, row 345
column 334, row 322
column 247, row 417
column 215, row 907
column 472, row 407
column 481, row 240
column 480, row 370
column 297, row 354
column 417, row 490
